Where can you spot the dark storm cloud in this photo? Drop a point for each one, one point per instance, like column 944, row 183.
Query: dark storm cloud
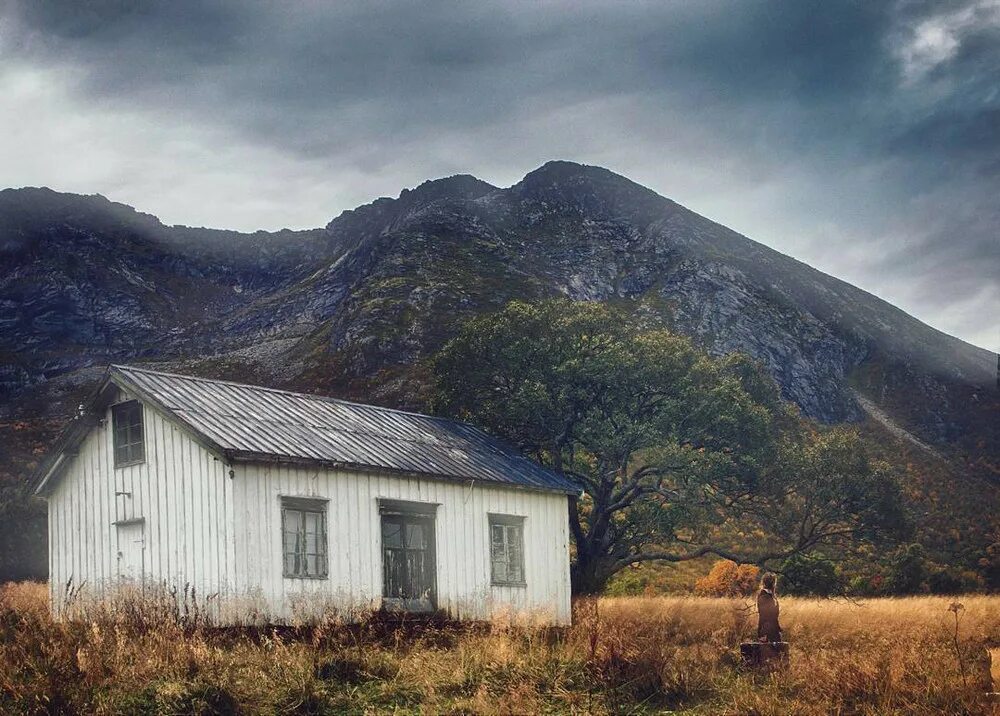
column 284, row 71
column 871, row 123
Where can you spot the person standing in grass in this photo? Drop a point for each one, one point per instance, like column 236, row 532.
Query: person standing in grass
column 768, row 628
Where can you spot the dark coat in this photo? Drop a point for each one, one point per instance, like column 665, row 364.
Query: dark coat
column 767, row 617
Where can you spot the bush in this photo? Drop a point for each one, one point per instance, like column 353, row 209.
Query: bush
column 907, row 570
column 811, row 575
column 728, row 579
column 949, row 580
column 862, row 586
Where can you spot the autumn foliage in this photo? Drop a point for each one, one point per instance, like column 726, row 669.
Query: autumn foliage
column 728, row 579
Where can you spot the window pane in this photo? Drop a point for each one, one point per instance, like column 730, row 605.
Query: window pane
column 498, row 551
column 135, row 435
column 392, row 535
column 415, row 536
column 515, row 552
column 311, row 532
column 514, row 537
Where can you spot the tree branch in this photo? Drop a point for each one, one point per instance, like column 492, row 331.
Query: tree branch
column 721, row 552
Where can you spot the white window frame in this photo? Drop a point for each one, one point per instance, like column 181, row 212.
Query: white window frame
column 511, row 527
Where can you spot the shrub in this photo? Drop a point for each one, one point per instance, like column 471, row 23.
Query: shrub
column 811, row 575
column 862, row 586
column 728, row 579
column 949, row 580
column 907, row 570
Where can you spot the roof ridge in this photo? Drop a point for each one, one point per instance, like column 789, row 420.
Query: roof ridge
column 451, row 442
column 313, row 396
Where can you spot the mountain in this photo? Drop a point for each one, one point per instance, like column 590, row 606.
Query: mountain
column 355, row 308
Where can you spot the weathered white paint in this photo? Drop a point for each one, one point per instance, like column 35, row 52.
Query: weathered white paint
column 355, row 551
column 182, row 496
column 217, row 529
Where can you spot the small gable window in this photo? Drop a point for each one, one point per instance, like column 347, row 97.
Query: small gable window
column 126, row 418
column 303, row 538
column 507, row 550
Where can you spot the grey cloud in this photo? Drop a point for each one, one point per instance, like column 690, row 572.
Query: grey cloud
column 809, row 105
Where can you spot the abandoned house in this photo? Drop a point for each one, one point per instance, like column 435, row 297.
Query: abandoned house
column 280, row 505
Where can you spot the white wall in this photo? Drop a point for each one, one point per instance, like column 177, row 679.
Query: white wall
column 354, row 542
column 182, row 494
column 222, row 535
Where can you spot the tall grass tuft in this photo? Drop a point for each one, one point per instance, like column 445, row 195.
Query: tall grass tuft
column 146, row 653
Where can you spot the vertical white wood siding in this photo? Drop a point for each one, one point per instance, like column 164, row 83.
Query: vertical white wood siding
column 355, row 550
column 183, row 496
column 222, row 535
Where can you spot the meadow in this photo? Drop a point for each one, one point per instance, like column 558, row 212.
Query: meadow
column 628, row 655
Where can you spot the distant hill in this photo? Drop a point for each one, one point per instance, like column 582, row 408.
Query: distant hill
column 354, row 308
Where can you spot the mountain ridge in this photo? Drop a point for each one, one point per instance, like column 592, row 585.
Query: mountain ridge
column 592, row 193
column 563, row 229
column 422, row 192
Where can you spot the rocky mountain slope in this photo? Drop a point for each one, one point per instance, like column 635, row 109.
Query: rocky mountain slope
column 355, row 307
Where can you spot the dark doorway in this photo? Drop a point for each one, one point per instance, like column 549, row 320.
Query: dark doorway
column 408, row 569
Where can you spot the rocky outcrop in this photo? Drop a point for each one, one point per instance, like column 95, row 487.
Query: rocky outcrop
column 357, row 305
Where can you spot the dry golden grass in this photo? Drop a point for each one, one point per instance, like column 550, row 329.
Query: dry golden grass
column 624, row 655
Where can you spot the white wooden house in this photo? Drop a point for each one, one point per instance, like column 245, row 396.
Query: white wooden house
column 284, row 505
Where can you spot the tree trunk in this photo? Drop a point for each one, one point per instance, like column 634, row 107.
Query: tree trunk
column 589, row 576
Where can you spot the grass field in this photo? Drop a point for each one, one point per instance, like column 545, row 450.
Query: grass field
column 624, row 655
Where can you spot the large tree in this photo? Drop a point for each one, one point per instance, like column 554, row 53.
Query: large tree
column 678, row 455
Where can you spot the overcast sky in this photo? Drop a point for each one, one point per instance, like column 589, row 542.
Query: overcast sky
column 861, row 137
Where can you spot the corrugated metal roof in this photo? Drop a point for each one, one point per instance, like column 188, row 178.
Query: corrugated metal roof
column 252, row 423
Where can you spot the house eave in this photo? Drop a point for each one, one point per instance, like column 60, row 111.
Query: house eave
column 68, row 443
column 247, row 457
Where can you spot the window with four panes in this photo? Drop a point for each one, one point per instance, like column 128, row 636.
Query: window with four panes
column 507, row 550
column 304, row 538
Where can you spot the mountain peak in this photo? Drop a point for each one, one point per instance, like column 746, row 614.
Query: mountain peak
column 30, row 210
column 44, row 199
column 458, row 186
column 564, row 169
column 591, row 189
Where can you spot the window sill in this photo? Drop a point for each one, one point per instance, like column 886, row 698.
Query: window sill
column 129, row 464
column 508, row 584
column 131, row 521
column 302, row 576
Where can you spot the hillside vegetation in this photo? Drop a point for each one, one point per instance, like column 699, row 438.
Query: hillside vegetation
column 624, row 656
